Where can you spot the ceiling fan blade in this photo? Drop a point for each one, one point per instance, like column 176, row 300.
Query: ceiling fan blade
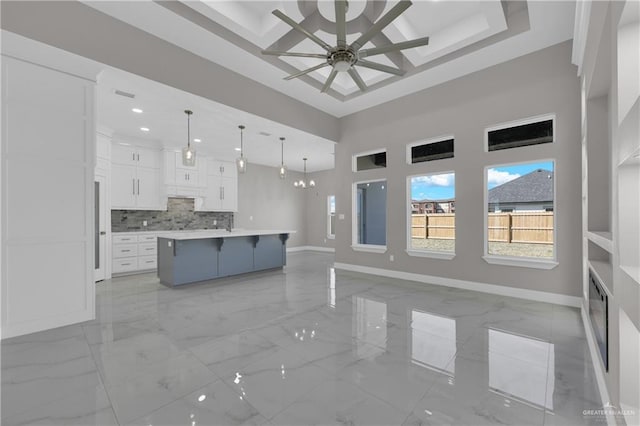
column 327, row 84
column 341, row 22
column 381, row 23
column 393, row 47
column 356, row 77
column 380, row 67
column 298, row 27
column 307, row 71
column 301, row 55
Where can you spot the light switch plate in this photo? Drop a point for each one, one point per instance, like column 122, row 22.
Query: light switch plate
column 341, row 216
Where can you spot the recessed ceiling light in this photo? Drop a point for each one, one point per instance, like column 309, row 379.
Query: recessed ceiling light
column 237, row 149
column 197, row 140
column 144, row 129
column 137, row 110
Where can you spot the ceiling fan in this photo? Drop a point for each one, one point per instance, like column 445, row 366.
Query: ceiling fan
column 343, row 57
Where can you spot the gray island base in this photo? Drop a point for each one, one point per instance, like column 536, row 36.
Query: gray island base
column 190, row 257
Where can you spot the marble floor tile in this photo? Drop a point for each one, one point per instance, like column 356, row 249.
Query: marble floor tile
column 304, row 345
column 215, row 404
column 157, row 385
column 273, row 383
column 336, row 402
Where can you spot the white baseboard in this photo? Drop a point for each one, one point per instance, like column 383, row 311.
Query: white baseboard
column 538, row 296
column 310, row 248
column 20, row 329
column 597, row 366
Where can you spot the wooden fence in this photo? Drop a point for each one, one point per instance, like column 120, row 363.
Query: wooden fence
column 526, row 227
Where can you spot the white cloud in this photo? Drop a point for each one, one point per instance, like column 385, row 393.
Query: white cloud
column 446, row 179
column 497, row 177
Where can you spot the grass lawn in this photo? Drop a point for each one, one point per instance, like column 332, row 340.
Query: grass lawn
column 495, row 248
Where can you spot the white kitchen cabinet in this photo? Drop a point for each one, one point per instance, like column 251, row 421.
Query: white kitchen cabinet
column 135, row 156
column 134, row 252
column 181, row 180
column 136, row 179
column 220, row 195
column 221, row 168
column 123, row 186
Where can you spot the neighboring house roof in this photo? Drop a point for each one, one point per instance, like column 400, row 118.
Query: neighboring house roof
column 533, row 187
column 426, row 200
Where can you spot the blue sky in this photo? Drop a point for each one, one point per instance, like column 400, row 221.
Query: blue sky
column 442, row 186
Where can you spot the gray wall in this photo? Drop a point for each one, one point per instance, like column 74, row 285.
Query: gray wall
column 267, row 202
column 179, row 216
column 539, row 83
column 316, row 200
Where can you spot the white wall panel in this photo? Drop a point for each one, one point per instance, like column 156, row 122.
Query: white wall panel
column 48, row 145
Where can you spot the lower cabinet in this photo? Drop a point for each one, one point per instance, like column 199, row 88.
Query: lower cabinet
column 134, row 252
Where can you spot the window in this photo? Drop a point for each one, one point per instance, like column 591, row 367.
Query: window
column 432, row 221
column 370, row 160
column 533, row 131
column 434, row 149
column 520, row 211
column 331, row 216
column 370, row 216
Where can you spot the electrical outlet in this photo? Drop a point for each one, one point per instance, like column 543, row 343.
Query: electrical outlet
column 250, row 217
column 215, row 222
column 144, row 223
column 391, row 258
column 341, row 216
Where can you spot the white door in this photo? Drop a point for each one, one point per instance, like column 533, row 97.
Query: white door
column 100, row 231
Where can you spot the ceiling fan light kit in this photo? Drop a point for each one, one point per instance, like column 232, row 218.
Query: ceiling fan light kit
column 346, row 58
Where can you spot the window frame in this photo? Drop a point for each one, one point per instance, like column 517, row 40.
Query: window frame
column 521, row 122
column 520, row 261
column 354, row 159
column 355, row 246
column 444, row 255
column 437, row 139
column 329, row 214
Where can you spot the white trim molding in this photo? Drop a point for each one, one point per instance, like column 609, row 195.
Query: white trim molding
column 580, row 31
column 524, row 262
column 431, row 254
column 369, row 248
column 310, row 248
column 596, row 360
column 521, row 293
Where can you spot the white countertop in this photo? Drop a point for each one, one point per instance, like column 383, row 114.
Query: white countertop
column 218, row 233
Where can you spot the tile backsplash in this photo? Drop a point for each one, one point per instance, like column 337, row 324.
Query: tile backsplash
column 179, row 216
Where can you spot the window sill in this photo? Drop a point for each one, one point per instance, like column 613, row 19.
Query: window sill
column 369, row 248
column 523, row 263
column 431, row 254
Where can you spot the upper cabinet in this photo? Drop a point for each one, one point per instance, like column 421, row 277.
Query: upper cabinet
column 136, row 182
column 181, row 180
column 135, row 156
column 221, row 189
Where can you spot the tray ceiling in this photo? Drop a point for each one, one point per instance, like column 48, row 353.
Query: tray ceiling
column 465, row 36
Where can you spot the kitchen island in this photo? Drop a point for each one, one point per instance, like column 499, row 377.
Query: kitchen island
column 187, row 257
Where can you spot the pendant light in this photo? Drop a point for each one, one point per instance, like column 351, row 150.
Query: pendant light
column 188, row 153
column 283, row 169
column 241, row 162
column 303, row 183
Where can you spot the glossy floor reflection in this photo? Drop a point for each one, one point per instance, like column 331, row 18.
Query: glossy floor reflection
column 309, row 345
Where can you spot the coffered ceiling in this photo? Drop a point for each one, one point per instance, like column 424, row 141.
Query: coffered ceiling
column 465, row 36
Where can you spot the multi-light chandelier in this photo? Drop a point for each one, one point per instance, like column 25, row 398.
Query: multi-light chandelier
column 304, row 183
